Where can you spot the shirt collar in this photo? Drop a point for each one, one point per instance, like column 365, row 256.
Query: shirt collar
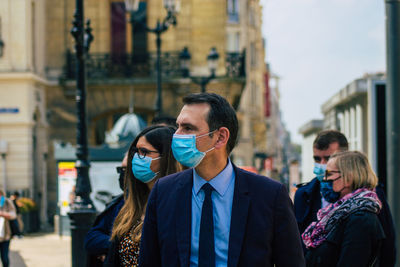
column 220, row 182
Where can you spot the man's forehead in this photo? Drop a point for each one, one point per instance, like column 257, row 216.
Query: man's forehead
column 193, row 113
column 333, row 147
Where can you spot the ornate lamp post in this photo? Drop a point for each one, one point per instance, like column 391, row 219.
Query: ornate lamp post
column 82, row 211
column 212, row 60
column 172, row 7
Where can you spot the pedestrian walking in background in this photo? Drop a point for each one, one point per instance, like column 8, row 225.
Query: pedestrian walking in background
column 149, row 158
column 14, row 197
column 347, row 232
column 312, row 196
column 7, row 212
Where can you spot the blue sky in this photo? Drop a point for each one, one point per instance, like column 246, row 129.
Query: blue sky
column 319, row 46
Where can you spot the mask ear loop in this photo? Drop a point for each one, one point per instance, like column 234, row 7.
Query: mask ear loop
column 155, row 173
column 206, row 134
column 209, row 149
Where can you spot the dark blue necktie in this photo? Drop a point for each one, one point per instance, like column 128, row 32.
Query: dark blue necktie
column 206, row 240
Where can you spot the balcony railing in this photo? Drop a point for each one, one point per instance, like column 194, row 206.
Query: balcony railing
column 235, row 64
column 114, row 66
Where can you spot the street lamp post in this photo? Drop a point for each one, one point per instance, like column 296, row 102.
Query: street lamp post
column 172, row 7
column 82, row 211
column 393, row 110
column 212, row 60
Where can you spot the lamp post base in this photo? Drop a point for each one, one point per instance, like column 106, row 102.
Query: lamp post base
column 81, row 221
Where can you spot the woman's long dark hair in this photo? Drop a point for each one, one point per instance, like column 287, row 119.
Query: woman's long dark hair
column 136, row 192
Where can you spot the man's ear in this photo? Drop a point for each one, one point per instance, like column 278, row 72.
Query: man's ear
column 223, row 137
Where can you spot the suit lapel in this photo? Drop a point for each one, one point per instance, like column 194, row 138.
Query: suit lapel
column 240, row 206
column 183, row 216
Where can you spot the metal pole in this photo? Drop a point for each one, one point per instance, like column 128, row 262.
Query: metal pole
column 82, row 212
column 132, row 38
column 393, row 111
column 203, row 83
column 159, row 89
column 3, row 159
column 43, row 213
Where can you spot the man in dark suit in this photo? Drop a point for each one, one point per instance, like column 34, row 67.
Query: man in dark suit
column 216, row 214
column 308, row 199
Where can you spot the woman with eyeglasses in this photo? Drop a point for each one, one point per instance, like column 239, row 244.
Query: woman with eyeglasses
column 149, row 158
column 348, row 231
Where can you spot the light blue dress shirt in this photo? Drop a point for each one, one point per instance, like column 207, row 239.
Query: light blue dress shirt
column 222, row 197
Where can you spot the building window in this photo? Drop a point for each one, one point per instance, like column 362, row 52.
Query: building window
column 233, row 42
column 253, row 55
column 118, row 28
column 233, row 10
column 33, row 30
column 252, row 16
column 253, row 95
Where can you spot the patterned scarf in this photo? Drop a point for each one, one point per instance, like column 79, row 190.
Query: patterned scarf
column 332, row 215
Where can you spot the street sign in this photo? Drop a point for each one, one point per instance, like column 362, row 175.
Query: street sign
column 9, row 110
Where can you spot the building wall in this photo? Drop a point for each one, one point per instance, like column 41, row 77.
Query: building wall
column 20, row 91
column 37, row 37
column 22, row 88
column 252, row 132
column 353, row 109
column 307, row 161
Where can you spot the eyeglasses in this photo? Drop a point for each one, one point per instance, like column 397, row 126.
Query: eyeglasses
column 120, row 169
column 319, row 159
column 143, row 152
column 329, row 174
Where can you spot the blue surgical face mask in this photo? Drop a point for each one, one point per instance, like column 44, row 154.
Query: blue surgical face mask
column 326, row 189
column 2, row 201
column 141, row 168
column 185, row 150
column 319, row 170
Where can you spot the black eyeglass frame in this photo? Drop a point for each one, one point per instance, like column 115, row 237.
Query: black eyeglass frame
column 143, row 152
column 330, row 173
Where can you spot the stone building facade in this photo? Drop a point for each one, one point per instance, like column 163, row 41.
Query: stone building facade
column 358, row 111
column 23, row 121
column 37, row 76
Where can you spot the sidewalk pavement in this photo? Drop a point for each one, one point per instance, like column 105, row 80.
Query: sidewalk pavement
column 40, row 250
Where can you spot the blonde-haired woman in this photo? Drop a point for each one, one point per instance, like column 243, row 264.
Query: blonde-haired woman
column 348, row 232
column 149, row 158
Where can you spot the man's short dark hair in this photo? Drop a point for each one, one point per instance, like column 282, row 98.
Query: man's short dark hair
column 328, row 137
column 165, row 120
column 221, row 114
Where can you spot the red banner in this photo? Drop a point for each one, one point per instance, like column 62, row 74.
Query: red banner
column 267, row 95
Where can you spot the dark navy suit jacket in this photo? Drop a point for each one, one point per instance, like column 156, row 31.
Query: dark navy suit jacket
column 307, row 202
column 263, row 227
column 97, row 240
